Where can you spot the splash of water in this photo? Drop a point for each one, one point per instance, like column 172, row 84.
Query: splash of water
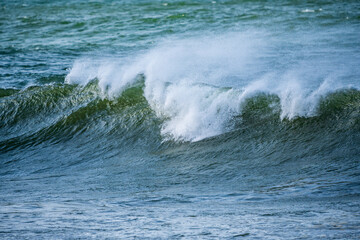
column 185, row 82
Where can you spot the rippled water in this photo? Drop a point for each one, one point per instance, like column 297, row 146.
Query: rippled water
column 179, row 119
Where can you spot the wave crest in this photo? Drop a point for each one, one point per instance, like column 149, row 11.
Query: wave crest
column 199, row 85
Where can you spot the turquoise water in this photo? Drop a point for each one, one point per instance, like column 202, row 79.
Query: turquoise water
column 179, row 119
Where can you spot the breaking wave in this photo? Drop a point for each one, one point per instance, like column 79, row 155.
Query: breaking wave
column 198, row 86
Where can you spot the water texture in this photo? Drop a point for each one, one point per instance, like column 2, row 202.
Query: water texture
column 179, row 119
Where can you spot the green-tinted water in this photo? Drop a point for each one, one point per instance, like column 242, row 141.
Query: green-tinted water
column 179, row 119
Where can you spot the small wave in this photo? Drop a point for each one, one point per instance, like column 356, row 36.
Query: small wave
column 4, row 92
column 58, row 113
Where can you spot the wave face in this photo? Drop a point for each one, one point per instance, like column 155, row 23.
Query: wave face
column 187, row 113
column 179, row 120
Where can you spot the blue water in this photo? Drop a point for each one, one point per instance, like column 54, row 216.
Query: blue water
column 179, row 119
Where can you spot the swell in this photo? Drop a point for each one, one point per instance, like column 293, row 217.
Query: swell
column 57, row 113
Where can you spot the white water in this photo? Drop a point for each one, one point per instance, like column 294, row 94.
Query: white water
column 199, row 84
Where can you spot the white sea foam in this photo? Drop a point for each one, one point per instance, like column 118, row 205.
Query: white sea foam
column 296, row 100
column 308, row 10
column 185, row 82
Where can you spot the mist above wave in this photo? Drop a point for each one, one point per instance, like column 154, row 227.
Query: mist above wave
column 198, row 85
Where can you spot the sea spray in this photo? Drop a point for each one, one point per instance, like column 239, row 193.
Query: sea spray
column 198, row 85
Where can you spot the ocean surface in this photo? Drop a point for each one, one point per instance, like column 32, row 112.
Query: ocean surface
column 135, row 119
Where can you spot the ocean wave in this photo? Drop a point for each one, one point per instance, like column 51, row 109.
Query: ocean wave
column 199, row 85
column 57, row 113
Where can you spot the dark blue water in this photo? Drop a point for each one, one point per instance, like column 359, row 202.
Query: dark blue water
column 179, row 120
